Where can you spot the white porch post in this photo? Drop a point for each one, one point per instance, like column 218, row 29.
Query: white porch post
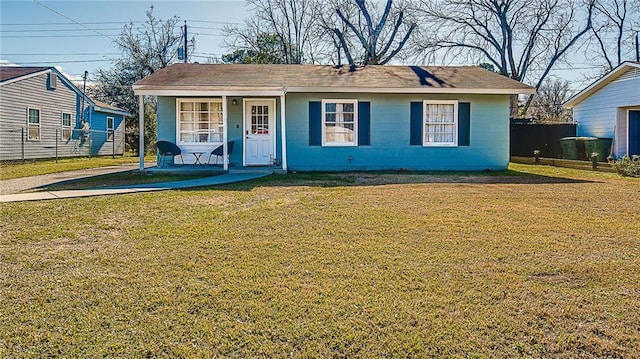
column 283, row 130
column 225, row 125
column 141, row 131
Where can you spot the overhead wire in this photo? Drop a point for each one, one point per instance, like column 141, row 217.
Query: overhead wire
column 70, row 19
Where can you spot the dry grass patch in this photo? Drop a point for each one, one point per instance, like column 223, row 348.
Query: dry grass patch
column 317, row 265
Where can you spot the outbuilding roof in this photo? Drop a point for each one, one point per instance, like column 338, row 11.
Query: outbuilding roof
column 323, row 78
column 105, row 107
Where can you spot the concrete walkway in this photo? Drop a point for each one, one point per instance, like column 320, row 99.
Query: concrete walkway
column 199, row 182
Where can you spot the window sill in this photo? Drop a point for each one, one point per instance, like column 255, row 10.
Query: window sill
column 440, row 145
column 339, row 145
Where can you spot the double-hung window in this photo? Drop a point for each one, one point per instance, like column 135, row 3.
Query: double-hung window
column 110, row 129
column 200, row 121
column 66, row 126
column 33, row 124
column 339, row 122
column 440, row 123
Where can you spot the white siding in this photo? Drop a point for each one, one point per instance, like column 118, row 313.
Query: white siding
column 597, row 115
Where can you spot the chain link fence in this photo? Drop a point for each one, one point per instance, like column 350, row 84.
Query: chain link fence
column 22, row 143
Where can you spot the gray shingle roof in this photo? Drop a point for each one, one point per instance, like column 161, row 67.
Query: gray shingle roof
column 314, row 78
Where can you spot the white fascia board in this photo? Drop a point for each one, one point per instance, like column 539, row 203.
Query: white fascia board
column 207, row 93
column 258, row 92
column 24, row 77
column 598, row 84
column 412, row 90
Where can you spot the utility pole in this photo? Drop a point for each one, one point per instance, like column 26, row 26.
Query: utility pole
column 637, row 48
column 84, row 90
column 185, row 41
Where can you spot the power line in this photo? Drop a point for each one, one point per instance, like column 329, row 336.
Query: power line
column 70, row 19
column 66, row 23
column 205, row 28
column 62, row 62
column 103, row 29
column 58, row 30
column 52, row 36
column 108, row 23
column 67, row 54
column 203, row 34
column 216, row 22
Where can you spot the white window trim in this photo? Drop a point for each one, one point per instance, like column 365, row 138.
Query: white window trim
column 68, row 127
column 112, row 129
column 196, row 99
column 356, row 119
column 455, row 123
column 30, row 124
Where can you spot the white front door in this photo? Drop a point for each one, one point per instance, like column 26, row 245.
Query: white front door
column 259, row 130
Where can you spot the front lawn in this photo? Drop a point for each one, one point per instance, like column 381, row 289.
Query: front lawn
column 535, row 262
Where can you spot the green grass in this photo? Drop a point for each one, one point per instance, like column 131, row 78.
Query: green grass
column 42, row 167
column 119, row 179
column 531, row 262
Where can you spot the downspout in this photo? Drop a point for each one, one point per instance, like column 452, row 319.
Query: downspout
column 84, row 90
column 613, row 142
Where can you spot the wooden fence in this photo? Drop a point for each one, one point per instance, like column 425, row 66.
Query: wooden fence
column 583, row 165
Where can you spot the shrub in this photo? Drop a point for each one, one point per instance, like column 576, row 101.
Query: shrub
column 627, row 166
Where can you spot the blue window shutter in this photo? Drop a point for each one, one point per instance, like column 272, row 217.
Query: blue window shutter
column 364, row 123
column 464, row 123
column 315, row 123
column 416, row 124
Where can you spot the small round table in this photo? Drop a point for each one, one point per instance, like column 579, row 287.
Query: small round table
column 197, row 157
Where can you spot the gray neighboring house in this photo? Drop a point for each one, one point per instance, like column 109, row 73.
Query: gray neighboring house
column 44, row 115
column 610, row 108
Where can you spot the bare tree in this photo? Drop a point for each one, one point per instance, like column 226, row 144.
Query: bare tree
column 145, row 49
column 612, row 21
column 379, row 42
column 547, row 105
column 154, row 45
column 330, row 48
column 523, row 39
column 292, row 22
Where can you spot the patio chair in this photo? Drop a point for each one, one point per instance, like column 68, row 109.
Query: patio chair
column 168, row 149
column 219, row 151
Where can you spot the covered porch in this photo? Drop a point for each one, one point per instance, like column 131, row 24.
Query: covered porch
column 219, row 131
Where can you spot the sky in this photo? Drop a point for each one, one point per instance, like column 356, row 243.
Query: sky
column 77, row 36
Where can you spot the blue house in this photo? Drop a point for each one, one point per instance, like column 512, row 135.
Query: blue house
column 42, row 116
column 107, row 124
column 610, row 108
column 326, row 118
